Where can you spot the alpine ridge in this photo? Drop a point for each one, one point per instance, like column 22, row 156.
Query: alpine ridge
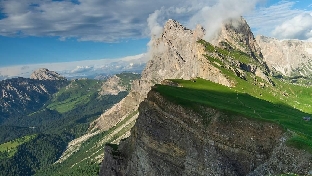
column 238, row 34
column 21, row 95
column 171, row 139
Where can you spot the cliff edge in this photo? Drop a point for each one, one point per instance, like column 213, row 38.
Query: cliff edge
column 169, row 139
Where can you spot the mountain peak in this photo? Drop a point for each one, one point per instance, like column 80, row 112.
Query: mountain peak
column 45, row 74
column 237, row 33
column 171, row 24
column 178, row 54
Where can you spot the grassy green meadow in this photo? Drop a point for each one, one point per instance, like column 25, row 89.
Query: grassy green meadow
column 10, row 148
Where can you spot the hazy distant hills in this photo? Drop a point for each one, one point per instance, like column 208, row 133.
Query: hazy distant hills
column 23, row 96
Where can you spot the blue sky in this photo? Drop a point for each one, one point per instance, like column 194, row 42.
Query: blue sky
column 32, row 50
column 45, row 31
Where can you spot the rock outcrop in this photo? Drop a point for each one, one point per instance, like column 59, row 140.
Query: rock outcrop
column 112, row 86
column 289, row 57
column 237, row 33
column 45, row 74
column 168, row 139
column 177, row 54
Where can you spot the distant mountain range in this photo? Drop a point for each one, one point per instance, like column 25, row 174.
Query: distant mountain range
column 81, row 69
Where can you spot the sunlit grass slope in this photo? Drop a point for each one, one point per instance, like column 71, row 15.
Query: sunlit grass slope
column 240, row 101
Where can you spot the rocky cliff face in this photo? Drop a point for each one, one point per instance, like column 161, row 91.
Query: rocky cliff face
column 171, row 140
column 177, row 54
column 45, row 74
column 289, row 57
column 112, row 86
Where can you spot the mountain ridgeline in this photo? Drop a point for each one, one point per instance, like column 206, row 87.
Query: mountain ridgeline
column 204, row 107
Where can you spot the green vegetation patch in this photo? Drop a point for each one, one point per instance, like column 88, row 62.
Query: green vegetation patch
column 8, row 149
column 228, row 51
column 78, row 92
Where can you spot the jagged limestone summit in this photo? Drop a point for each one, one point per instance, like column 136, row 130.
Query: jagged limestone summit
column 177, row 54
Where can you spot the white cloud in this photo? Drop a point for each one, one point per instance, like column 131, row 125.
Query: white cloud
column 95, row 20
column 210, row 14
column 299, row 27
column 81, row 69
column 154, row 27
column 212, row 17
column 110, row 21
column 282, row 21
